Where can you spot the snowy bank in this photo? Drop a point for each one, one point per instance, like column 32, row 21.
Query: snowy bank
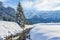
column 40, row 31
column 8, row 28
column 45, row 31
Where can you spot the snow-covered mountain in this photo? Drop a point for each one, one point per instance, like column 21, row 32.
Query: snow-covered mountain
column 44, row 16
column 6, row 13
column 31, row 15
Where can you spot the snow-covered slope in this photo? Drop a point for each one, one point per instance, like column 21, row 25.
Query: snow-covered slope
column 8, row 28
column 40, row 31
column 45, row 31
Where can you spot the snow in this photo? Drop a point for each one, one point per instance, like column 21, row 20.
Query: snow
column 45, row 31
column 40, row 31
column 8, row 28
column 28, row 26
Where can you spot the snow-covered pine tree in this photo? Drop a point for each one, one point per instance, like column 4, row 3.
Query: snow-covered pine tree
column 20, row 18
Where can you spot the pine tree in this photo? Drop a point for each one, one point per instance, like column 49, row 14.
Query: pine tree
column 20, row 18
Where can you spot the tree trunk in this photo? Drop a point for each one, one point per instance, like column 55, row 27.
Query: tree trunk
column 23, row 35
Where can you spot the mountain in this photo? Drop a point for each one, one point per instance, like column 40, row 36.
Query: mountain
column 7, row 13
column 44, row 16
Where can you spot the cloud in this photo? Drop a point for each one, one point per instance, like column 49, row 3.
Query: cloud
column 3, row 0
column 38, row 5
column 27, row 4
column 42, row 4
column 10, row 3
column 47, row 5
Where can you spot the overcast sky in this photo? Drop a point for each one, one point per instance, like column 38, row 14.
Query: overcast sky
column 39, row 5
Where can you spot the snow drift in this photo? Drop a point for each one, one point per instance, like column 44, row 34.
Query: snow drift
column 40, row 31
column 8, row 28
column 45, row 31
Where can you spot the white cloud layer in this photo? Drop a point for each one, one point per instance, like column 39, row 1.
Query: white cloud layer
column 42, row 4
column 3, row 0
column 39, row 5
column 27, row 4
